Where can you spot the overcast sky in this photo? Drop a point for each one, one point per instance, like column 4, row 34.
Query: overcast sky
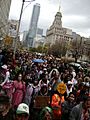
column 75, row 14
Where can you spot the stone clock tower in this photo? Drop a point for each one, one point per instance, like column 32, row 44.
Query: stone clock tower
column 56, row 32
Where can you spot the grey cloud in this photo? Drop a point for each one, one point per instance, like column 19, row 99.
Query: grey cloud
column 80, row 7
column 68, row 8
column 79, row 24
column 74, row 6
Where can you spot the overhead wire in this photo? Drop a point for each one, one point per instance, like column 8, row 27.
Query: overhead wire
column 28, row 4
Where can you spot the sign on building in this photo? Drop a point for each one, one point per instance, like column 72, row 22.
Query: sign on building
column 13, row 26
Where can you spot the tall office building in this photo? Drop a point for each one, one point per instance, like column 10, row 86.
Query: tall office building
column 33, row 25
column 4, row 14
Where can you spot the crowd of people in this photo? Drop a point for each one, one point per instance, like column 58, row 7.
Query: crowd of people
column 30, row 75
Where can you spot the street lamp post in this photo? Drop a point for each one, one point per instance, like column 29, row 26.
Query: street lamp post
column 15, row 44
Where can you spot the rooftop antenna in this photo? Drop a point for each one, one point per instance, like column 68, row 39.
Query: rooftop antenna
column 59, row 6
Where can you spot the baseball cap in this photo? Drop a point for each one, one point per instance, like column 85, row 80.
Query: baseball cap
column 22, row 108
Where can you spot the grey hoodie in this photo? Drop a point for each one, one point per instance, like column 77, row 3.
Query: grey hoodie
column 76, row 112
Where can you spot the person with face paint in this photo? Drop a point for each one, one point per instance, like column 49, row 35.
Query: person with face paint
column 19, row 91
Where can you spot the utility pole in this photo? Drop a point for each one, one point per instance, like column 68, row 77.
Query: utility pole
column 15, row 44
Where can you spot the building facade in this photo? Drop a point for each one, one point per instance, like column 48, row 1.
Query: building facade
column 24, row 38
column 33, row 25
column 85, row 48
column 4, row 15
column 39, row 40
column 56, row 32
column 74, row 42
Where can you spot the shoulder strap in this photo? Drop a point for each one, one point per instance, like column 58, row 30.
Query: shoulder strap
column 33, row 92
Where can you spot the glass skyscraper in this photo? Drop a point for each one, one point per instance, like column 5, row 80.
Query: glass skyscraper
column 33, row 25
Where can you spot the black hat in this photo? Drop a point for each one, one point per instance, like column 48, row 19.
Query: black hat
column 4, row 99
